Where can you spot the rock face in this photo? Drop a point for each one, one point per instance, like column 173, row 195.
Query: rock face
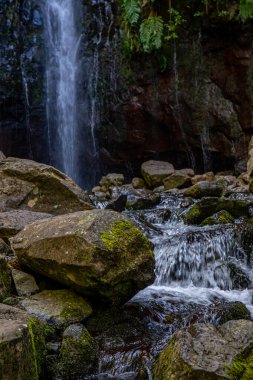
column 11, row 222
column 203, row 351
column 28, row 185
column 154, row 172
column 99, row 253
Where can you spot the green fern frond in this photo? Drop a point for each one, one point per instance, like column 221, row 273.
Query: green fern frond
column 246, row 9
column 151, row 33
column 132, row 10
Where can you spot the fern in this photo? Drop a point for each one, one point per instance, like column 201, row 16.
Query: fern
column 151, row 33
column 246, row 9
column 131, row 10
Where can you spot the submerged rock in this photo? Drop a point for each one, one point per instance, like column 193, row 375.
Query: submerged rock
column 99, row 253
column 57, row 307
column 11, row 222
column 78, row 354
column 154, row 172
column 28, row 185
column 203, row 351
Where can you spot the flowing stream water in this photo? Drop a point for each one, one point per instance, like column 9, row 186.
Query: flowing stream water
column 198, row 271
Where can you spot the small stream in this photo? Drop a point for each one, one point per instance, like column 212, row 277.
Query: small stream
column 198, row 271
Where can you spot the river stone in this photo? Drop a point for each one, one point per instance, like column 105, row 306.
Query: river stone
column 145, row 202
column 177, row 181
column 99, row 253
column 209, row 176
column 57, row 307
column 154, row 172
column 78, row 354
column 28, row 185
column 203, row 351
column 11, row 222
column 138, row 183
column 22, row 345
column 25, row 283
column 205, row 189
column 117, row 204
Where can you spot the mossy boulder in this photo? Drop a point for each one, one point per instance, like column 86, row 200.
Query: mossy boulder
column 209, row 206
column 232, row 311
column 205, row 189
column 145, row 202
column 221, row 217
column 58, row 308
column 22, row 345
column 78, row 354
column 28, row 185
column 203, row 351
column 177, row 181
column 154, row 172
column 99, row 253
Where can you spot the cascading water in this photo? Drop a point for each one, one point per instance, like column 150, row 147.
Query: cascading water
column 63, row 39
column 199, row 270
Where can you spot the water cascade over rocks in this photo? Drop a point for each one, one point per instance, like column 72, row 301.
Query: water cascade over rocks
column 201, row 273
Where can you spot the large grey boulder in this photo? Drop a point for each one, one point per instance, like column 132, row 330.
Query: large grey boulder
column 11, row 222
column 204, row 351
column 28, row 185
column 154, row 172
column 99, row 253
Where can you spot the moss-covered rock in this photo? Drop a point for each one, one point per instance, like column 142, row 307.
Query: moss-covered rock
column 221, row 217
column 205, row 189
column 177, row 181
column 154, row 172
column 99, row 253
column 232, row 311
column 203, row 351
column 28, row 185
column 78, row 354
column 241, row 367
column 22, row 345
column 58, row 308
column 208, row 206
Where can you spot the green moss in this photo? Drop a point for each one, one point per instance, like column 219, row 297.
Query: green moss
column 38, row 331
column 78, row 355
column 221, row 217
column 242, row 365
column 124, row 236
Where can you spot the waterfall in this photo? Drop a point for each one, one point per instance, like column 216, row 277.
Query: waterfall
column 62, row 31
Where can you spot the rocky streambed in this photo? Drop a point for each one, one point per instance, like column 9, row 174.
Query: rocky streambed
column 149, row 280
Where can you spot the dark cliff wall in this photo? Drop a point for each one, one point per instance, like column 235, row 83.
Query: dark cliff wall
column 22, row 101
column 198, row 112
